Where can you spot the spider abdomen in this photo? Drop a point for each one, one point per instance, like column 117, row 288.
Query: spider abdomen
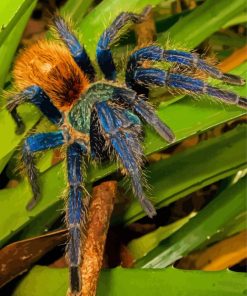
column 50, row 66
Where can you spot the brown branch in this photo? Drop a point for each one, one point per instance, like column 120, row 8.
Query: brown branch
column 146, row 31
column 100, row 211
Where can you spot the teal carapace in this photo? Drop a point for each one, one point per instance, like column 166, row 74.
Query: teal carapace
column 80, row 115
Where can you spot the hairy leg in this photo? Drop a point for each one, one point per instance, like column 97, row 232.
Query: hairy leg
column 103, row 51
column 35, row 95
column 192, row 60
column 121, row 130
column 76, row 212
column 153, row 76
column 77, row 51
column 34, row 144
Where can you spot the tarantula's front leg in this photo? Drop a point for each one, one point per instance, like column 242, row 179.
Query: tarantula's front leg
column 192, row 60
column 77, row 51
column 75, row 213
column 34, row 144
column 35, row 95
column 145, row 110
column 153, row 76
column 122, row 131
column 103, row 52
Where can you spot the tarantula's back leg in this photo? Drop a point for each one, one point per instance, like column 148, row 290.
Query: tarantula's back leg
column 192, row 60
column 75, row 212
column 153, row 76
column 103, row 52
column 123, row 133
column 33, row 94
column 34, row 144
column 77, row 51
column 97, row 142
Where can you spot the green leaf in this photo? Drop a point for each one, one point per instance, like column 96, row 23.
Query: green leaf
column 238, row 19
column 13, row 202
column 238, row 224
column 7, row 134
column 76, row 9
column 203, row 21
column 12, row 24
column 139, row 247
column 15, row 19
column 132, row 282
column 193, row 169
column 11, row 15
column 210, row 220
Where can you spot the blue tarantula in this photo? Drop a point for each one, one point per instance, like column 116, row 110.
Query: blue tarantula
column 98, row 118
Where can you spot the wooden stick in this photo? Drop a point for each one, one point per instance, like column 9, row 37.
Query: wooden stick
column 146, row 31
column 100, row 210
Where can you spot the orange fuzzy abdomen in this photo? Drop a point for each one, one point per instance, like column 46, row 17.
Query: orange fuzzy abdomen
column 50, row 66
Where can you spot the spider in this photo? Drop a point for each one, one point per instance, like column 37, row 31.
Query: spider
column 98, row 118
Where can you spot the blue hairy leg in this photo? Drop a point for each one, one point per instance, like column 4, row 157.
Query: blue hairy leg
column 123, row 132
column 153, row 76
column 34, row 144
column 156, row 53
column 76, row 212
column 77, row 51
column 35, row 95
column 103, row 51
column 145, row 110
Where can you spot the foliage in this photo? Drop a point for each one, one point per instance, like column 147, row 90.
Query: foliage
column 119, row 282
column 171, row 179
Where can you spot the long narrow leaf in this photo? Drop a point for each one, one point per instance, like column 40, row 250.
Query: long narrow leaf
column 132, row 282
column 210, row 220
column 11, row 14
column 14, row 23
column 208, row 18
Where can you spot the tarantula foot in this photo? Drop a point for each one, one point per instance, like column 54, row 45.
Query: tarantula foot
column 242, row 102
column 33, row 202
column 146, row 11
column 234, row 79
column 148, row 208
column 20, row 126
column 140, row 18
column 20, row 129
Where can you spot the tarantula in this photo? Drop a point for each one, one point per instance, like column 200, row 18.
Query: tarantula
column 100, row 117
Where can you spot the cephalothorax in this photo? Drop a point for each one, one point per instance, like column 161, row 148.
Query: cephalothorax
column 98, row 118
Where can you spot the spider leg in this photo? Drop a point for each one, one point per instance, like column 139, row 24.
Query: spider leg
column 76, row 212
column 145, row 110
column 33, row 94
column 103, row 51
column 34, row 144
column 153, row 76
column 121, row 130
column 156, row 53
column 77, row 51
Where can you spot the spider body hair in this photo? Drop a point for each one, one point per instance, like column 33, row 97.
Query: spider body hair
column 50, row 66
